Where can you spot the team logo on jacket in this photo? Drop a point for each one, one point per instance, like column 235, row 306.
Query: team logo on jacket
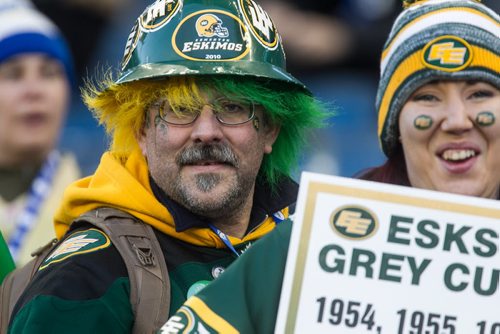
column 184, row 322
column 354, row 222
column 447, row 53
column 158, row 14
column 81, row 242
column 260, row 24
column 211, row 35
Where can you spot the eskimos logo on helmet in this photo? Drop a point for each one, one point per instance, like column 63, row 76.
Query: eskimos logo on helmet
column 158, row 14
column 354, row 222
column 211, row 35
column 209, row 25
column 447, row 53
column 260, row 24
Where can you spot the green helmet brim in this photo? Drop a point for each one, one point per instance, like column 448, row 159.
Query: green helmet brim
column 187, row 68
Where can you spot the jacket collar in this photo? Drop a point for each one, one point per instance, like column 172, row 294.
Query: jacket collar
column 264, row 204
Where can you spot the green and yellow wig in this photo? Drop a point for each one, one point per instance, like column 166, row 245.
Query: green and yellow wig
column 121, row 109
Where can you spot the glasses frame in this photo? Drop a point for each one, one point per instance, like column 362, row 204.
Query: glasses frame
column 161, row 105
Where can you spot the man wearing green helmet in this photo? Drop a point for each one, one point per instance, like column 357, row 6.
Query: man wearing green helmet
column 206, row 126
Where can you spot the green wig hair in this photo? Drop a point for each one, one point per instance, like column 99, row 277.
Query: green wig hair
column 120, row 108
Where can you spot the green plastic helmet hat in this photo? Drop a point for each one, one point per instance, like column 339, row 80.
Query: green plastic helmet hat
column 200, row 37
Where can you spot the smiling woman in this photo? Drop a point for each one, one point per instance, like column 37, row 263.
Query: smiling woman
column 458, row 151
column 439, row 99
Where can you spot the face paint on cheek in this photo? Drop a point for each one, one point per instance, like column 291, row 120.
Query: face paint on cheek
column 157, row 120
column 256, row 123
column 146, row 122
column 160, row 125
column 485, row 118
column 422, row 122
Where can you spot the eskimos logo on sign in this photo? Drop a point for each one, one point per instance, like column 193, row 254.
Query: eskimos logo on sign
column 354, row 222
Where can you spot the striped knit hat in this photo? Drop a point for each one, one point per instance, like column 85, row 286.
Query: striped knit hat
column 23, row 29
column 434, row 40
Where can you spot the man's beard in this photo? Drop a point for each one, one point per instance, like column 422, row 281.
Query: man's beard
column 207, row 181
column 228, row 202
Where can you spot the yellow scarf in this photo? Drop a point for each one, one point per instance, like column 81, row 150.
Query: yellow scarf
column 125, row 186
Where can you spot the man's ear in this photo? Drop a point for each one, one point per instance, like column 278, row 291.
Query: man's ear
column 271, row 132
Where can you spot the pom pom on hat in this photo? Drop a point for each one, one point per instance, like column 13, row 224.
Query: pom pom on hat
column 434, row 40
column 23, row 29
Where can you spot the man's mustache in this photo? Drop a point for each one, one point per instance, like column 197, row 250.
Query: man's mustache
column 207, row 152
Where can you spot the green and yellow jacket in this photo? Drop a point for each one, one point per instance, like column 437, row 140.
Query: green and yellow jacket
column 83, row 286
column 245, row 298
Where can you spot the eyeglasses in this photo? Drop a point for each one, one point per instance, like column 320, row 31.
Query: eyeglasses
column 228, row 111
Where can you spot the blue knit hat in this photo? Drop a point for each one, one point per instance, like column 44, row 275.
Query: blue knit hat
column 434, row 40
column 23, row 29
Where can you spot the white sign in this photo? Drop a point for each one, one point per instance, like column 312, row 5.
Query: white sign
column 367, row 257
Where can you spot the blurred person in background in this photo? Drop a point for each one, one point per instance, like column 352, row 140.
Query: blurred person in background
column 36, row 75
column 333, row 35
column 439, row 124
column 84, row 23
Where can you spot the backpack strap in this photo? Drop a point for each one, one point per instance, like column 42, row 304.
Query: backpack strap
column 149, row 281
column 16, row 281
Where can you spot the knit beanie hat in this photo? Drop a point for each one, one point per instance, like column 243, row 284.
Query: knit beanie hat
column 434, row 40
column 23, row 29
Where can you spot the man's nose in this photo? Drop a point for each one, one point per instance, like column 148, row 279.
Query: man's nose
column 206, row 127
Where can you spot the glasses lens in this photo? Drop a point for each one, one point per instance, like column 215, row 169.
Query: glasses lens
column 227, row 111
column 233, row 111
column 179, row 116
